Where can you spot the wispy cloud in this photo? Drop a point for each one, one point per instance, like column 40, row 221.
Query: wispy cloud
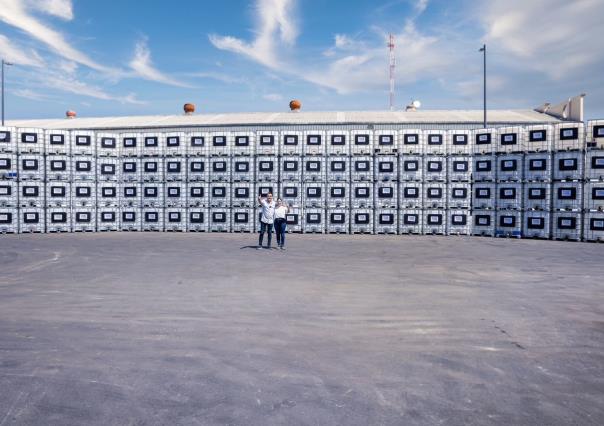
column 72, row 85
column 143, row 66
column 30, row 94
column 224, row 78
column 19, row 55
column 60, row 8
column 273, row 97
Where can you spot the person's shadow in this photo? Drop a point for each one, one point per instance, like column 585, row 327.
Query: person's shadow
column 254, row 247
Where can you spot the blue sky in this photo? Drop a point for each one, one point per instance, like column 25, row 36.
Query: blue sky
column 132, row 57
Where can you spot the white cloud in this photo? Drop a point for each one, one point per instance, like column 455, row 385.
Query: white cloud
column 72, row 85
column 19, row 55
column 273, row 97
column 143, row 66
column 420, row 6
column 217, row 76
column 30, row 94
column 60, row 8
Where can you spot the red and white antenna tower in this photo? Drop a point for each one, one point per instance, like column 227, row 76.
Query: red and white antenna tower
column 392, row 66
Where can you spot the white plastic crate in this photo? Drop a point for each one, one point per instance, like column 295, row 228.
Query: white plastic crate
column 361, row 195
column 338, row 221
column 459, row 195
column 198, row 194
column 361, row 142
column 411, row 195
column 569, row 136
column 152, row 169
column 314, row 221
column 537, row 196
column 8, row 193
column 8, row 166
column 220, row 195
column 411, row 168
column 338, row 169
column 435, row 195
column 32, row 219
column 568, row 165
column 130, row 144
column 31, row 167
column 593, row 227
column 108, row 219
column 198, row 169
column 291, row 168
column 131, row 219
column 594, row 165
column 153, row 194
column 83, row 168
column 83, row 194
column 197, row 220
column 567, row 226
column 57, row 142
column 220, row 220
column 385, row 221
column 108, row 169
column 594, row 137
column 220, row 169
column 83, row 142
column 198, row 144
column 539, row 138
column 291, row 193
column 314, row 195
column 107, row 145
column 338, row 142
column 435, row 142
column 509, row 223
column 291, row 143
column 510, row 167
column 485, row 168
column 267, row 168
column 483, row 222
column 242, row 169
column 243, row 220
column 385, row 142
column 435, row 222
column 175, row 194
column 58, row 220
column 242, row 195
column 265, row 188
column 484, row 141
column 594, row 196
column 459, row 168
column 537, row 224
column 174, row 144
column 32, row 193
column 130, row 169
column 538, row 167
column 484, row 195
column 267, row 142
column 153, row 219
column 338, row 195
column 293, row 219
column 175, row 219
column 314, row 169
column 361, row 168
column 58, row 167
column 83, row 219
column 511, row 139
column 411, row 221
column 361, row 221
column 410, row 141
column 509, row 196
column 386, row 194
column 459, row 142
column 58, row 194
column 386, row 168
column 314, row 142
column 108, row 194
column 243, row 143
column 151, row 145
column 9, row 220
column 8, row 139
column 30, row 141
column 131, row 194
column 435, row 168
column 459, row 222
column 568, row 196
column 175, row 169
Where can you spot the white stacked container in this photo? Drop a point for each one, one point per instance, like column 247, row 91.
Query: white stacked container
column 459, row 222
column 267, row 143
column 568, row 165
column 385, row 168
column 459, row 142
column 484, row 141
column 32, row 220
column 108, row 194
column 338, row 196
column 83, row 168
column 291, row 193
column 594, row 165
column 175, row 219
column 539, row 138
column 174, row 144
column 385, row 221
column 435, row 195
column 537, row 224
column 411, row 168
column 175, row 169
column 152, row 219
column 511, row 140
column 220, row 169
column 197, row 144
column 386, row 194
column 411, row 195
column 568, row 196
column 538, row 196
column 242, row 195
column 198, row 169
column 293, row 220
column 314, row 169
column 338, row 221
column 30, row 167
column 410, row 221
column 361, row 195
column 219, row 144
column 385, row 142
column 361, row 221
column 243, row 143
column 484, row 195
column 58, row 194
column 291, row 143
column 30, row 141
column 83, row 219
column 538, row 167
column 595, row 134
column 314, row 221
column 567, row 225
column 198, row 194
column 108, row 219
column 130, row 144
column 338, row 168
column 314, row 195
column 411, row 142
column 32, row 193
column 267, row 169
column 338, row 142
column 435, row 142
column 361, row 142
column 509, row 223
column 83, row 194
column 8, row 193
column 510, row 168
column 9, row 221
column 594, row 196
column 220, row 195
column 58, row 167
column 242, row 169
column 593, row 227
column 509, row 196
column 83, row 142
column 569, row 136
column 459, row 195
column 57, row 142
column 8, row 139
column 459, row 168
column 58, row 219
column 435, row 222
column 435, row 168
column 108, row 169
column 243, row 220
column 152, row 169
column 485, row 168
column 314, row 143
column 361, row 168
column 290, row 168
column 197, row 219
column 107, row 145
column 175, row 194
column 131, row 194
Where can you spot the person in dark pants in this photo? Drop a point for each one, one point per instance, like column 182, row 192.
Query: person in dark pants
column 280, row 222
column 266, row 219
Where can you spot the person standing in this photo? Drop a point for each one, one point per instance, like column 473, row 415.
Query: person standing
column 280, row 222
column 266, row 219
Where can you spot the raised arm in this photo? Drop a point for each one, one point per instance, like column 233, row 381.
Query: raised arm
column 260, row 199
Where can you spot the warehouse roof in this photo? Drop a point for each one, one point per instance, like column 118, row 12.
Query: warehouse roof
column 495, row 117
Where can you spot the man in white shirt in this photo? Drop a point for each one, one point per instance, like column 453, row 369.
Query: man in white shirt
column 266, row 219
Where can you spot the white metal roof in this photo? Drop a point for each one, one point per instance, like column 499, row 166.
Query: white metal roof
column 292, row 118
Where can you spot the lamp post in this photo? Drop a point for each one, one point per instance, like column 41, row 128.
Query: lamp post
column 483, row 49
column 3, row 64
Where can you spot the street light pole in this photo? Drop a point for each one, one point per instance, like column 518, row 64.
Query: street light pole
column 484, row 84
column 3, row 64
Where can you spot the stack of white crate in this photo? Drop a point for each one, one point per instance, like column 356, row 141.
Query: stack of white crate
column 386, row 177
column 175, row 176
column 130, row 183
column 33, row 215
column 434, row 147
column 219, row 160
column 197, row 181
column 508, row 144
column 108, row 177
column 62, row 212
column 338, row 182
column 9, row 214
column 593, row 223
column 287, row 147
column 152, row 162
column 314, row 181
column 361, row 182
column 459, row 187
column 484, row 178
column 411, row 182
column 243, row 217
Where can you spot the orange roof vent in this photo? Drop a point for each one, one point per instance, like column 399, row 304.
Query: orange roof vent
column 70, row 114
column 295, row 105
column 189, row 109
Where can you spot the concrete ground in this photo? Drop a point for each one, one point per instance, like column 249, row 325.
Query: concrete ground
column 193, row 329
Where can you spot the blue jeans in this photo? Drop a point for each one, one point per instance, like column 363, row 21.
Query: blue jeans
column 280, row 226
column 268, row 228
